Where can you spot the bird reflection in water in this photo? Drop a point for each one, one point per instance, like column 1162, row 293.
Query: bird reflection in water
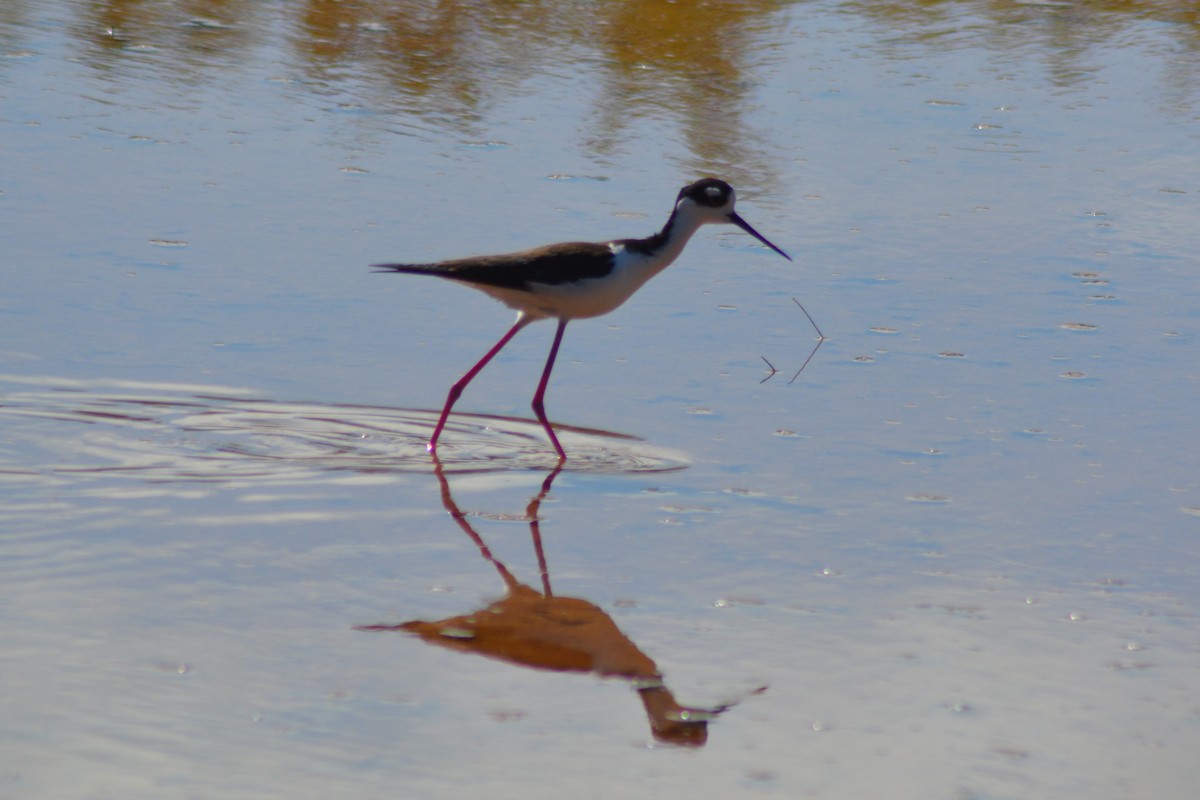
column 565, row 634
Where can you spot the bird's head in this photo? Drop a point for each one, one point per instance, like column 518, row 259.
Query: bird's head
column 711, row 200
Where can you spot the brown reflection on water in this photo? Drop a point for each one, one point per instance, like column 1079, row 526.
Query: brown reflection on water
column 1067, row 36
column 538, row 629
column 659, row 55
column 198, row 36
column 446, row 64
column 450, row 61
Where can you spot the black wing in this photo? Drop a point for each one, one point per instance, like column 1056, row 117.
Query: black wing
column 553, row 265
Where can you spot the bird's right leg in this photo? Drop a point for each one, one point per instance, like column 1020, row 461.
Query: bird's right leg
column 457, row 389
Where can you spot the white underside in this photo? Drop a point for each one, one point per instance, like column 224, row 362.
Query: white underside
column 596, row 296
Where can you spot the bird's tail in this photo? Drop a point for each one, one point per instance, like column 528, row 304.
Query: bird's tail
column 412, row 269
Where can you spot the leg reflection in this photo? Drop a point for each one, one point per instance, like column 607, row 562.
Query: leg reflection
column 537, row 629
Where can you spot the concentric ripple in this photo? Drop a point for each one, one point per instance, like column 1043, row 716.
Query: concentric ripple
column 164, row 432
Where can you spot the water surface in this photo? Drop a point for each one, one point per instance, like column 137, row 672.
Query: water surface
column 955, row 557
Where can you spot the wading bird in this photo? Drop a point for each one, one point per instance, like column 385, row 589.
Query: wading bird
column 576, row 280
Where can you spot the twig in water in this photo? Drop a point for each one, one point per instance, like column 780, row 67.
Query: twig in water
column 820, row 340
column 771, row 367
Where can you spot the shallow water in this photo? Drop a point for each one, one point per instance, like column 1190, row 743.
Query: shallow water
column 955, row 557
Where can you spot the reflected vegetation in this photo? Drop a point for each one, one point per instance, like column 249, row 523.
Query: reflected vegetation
column 442, row 66
column 535, row 628
column 1066, row 36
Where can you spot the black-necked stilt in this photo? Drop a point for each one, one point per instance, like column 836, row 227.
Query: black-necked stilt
column 575, row 280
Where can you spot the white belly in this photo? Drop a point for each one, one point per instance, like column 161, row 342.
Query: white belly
column 586, row 298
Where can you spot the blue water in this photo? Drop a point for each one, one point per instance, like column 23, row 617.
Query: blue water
column 959, row 550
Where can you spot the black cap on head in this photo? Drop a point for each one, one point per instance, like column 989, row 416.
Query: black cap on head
column 710, row 192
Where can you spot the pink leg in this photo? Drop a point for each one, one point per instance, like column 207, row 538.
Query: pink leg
column 539, row 406
column 457, row 389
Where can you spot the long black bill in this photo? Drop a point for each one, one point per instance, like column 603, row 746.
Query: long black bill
column 741, row 223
